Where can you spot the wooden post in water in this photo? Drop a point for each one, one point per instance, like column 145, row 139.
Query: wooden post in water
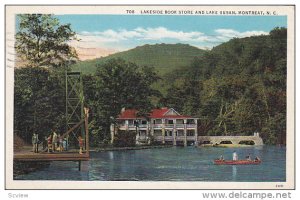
column 83, row 165
column 86, row 123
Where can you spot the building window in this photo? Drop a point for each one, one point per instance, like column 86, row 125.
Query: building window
column 180, row 133
column 190, row 121
column 121, row 123
column 157, row 121
column 170, row 121
column 190, row 133
column 179, row 121
column 157, row 132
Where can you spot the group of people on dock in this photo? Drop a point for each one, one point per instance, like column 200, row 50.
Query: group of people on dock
column 53, row 143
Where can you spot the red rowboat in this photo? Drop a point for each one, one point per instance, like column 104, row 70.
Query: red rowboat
column 237, row 162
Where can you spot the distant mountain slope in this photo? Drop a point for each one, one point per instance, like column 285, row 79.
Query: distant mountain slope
column 163, row 57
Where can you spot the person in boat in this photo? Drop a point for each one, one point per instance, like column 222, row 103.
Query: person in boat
column 221, row 158
column 234, row 156
column 248, row 157
column 257, row 159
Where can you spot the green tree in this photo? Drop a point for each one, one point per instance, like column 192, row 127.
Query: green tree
column 42, row 41
column 119, row 84
column 38, row 102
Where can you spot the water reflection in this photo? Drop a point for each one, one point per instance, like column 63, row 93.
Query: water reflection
column 111, row 155
column 234, row 171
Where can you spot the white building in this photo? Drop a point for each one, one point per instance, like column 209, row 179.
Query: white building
column 165, row 125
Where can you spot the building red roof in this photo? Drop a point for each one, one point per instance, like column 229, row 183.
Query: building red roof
column 128, row 114
column 156, row 113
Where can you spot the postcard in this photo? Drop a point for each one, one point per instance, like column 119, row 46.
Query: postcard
column 150, row 97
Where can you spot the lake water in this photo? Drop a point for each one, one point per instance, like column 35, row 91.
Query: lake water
column 170, row 164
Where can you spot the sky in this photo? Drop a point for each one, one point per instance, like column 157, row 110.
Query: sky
column 123, row 32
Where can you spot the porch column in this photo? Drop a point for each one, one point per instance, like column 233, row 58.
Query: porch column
column 147, row 133
column 126, row 125
column 174, row 132
column 151, row 127
column 163, row 131
column 196, row 132
column 185, row 132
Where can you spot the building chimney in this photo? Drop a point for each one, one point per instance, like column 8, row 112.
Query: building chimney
column 123, row 110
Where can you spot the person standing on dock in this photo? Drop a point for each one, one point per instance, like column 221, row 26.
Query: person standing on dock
column 60, row 143
column 33, row 139
column 45, row 142
column 54, row 141
column 234, row 156
column 49, row 143
column 37, row 143
column 80, row 140
column 65, row 146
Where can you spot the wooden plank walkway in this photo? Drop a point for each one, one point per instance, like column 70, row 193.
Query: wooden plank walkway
column 72, row 156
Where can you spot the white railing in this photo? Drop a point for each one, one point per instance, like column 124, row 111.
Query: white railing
column 169, row 126
column 179, row 125
column 191, row 126
column 157, row 125
column 168, row 138
column 180, row 138
column 158, row 138
column 142, row 125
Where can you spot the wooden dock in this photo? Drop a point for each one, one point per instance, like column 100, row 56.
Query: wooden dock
column 72, row 156
column 65, row 156
column 26, row 155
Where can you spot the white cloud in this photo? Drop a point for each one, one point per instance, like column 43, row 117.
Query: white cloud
column 160, row 33
column 230, row 33
column 118, row 38
column 157, row 33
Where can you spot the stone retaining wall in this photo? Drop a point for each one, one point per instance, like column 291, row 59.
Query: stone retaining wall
column 234, row 139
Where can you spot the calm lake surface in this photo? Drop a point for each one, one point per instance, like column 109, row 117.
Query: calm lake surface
column 170, row 164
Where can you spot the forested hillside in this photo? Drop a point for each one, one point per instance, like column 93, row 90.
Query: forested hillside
column 237, row 88
column 164, row 58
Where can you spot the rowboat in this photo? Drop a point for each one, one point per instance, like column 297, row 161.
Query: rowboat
column 237, row 162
